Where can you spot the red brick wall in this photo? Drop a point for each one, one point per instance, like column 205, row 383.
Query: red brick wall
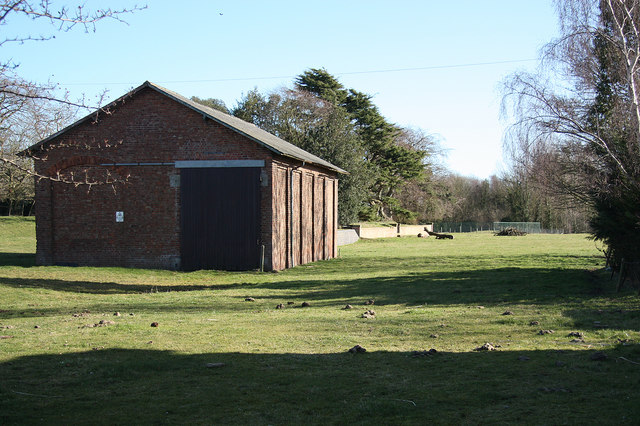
column 85, row 231
column 74, row 226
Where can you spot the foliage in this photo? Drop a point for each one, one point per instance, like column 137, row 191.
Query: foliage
column 400, row 214
column 213, row 103
column 19, row 128
column 452, row 198
column 323, row 85
column 391, row 160
column 26, row 108
column 16, row 184
column 320, row 128
column 291, row 365
column 581, row 138
column 617, row 221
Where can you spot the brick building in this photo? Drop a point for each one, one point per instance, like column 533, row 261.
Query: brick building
column 197, row 189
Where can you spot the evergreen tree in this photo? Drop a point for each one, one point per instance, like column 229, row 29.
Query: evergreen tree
column 323, row 85
column 212, row 103
column 320, row 128
column 391, row 164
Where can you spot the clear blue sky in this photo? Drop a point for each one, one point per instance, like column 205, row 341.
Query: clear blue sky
column 404, row 53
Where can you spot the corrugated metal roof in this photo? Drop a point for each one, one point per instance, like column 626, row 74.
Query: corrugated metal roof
column 253, row 132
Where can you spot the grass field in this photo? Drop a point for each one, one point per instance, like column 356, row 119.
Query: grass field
column 291, row 365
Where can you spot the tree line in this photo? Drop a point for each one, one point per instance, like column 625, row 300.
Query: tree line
column 395, row 173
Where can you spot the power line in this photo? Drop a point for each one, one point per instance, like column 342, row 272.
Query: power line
column 219, row 80
column 435, row 67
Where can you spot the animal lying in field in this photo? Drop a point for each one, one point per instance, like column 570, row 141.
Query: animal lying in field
column 438, row 235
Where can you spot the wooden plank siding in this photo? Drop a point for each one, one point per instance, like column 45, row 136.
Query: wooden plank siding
column 304, row 216
column 307, row 218
column 279, row 236
column 335, row 217
column 318, row 217
column 328, row 240
column 220, row 218
column 296, row 218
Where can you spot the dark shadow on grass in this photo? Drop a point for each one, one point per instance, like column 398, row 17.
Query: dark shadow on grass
column 104, row 288
column 502, row 285
column 102, row 309
column 435, row 262
column 93, row 287
column 588, row 297
column 495, row 286
column 118, row 386
column 25, row 260
column 605, row 318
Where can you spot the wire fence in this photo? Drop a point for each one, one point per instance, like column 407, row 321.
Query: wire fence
column 528, row 227
column 462, row 226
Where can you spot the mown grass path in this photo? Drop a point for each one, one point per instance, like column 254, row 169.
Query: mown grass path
column 291, row 365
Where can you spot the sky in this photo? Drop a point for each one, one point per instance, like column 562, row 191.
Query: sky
column 429, row 64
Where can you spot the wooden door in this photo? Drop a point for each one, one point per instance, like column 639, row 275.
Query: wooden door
column 220, row 218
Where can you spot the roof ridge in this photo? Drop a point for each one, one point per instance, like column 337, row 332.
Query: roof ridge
column 249, row 130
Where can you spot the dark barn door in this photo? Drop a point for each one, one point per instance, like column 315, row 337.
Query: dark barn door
column 220, row 218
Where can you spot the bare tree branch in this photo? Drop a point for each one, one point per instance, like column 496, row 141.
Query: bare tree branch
column 576, row 123
column 30, row 111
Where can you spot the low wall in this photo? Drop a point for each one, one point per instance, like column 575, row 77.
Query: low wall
column 391, row 231
column 376, row 231
column 346, row 236
column 414, row 230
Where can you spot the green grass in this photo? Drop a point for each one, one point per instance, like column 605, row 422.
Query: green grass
column 291, row 366
column 17, row 242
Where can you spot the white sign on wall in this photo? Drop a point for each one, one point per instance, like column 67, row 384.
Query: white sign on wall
column 119, row 216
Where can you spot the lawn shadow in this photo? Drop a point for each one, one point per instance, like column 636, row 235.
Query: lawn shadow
column 605, row 317
column 501, row 287
column 589, row 297
column 434, row 262
column 483, row 286
column 102, row 287
column 117, row 386
column 25, row 260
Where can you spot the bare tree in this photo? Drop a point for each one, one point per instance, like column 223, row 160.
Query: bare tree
column 32, row 121
column 577, row 126
column 29, row 109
